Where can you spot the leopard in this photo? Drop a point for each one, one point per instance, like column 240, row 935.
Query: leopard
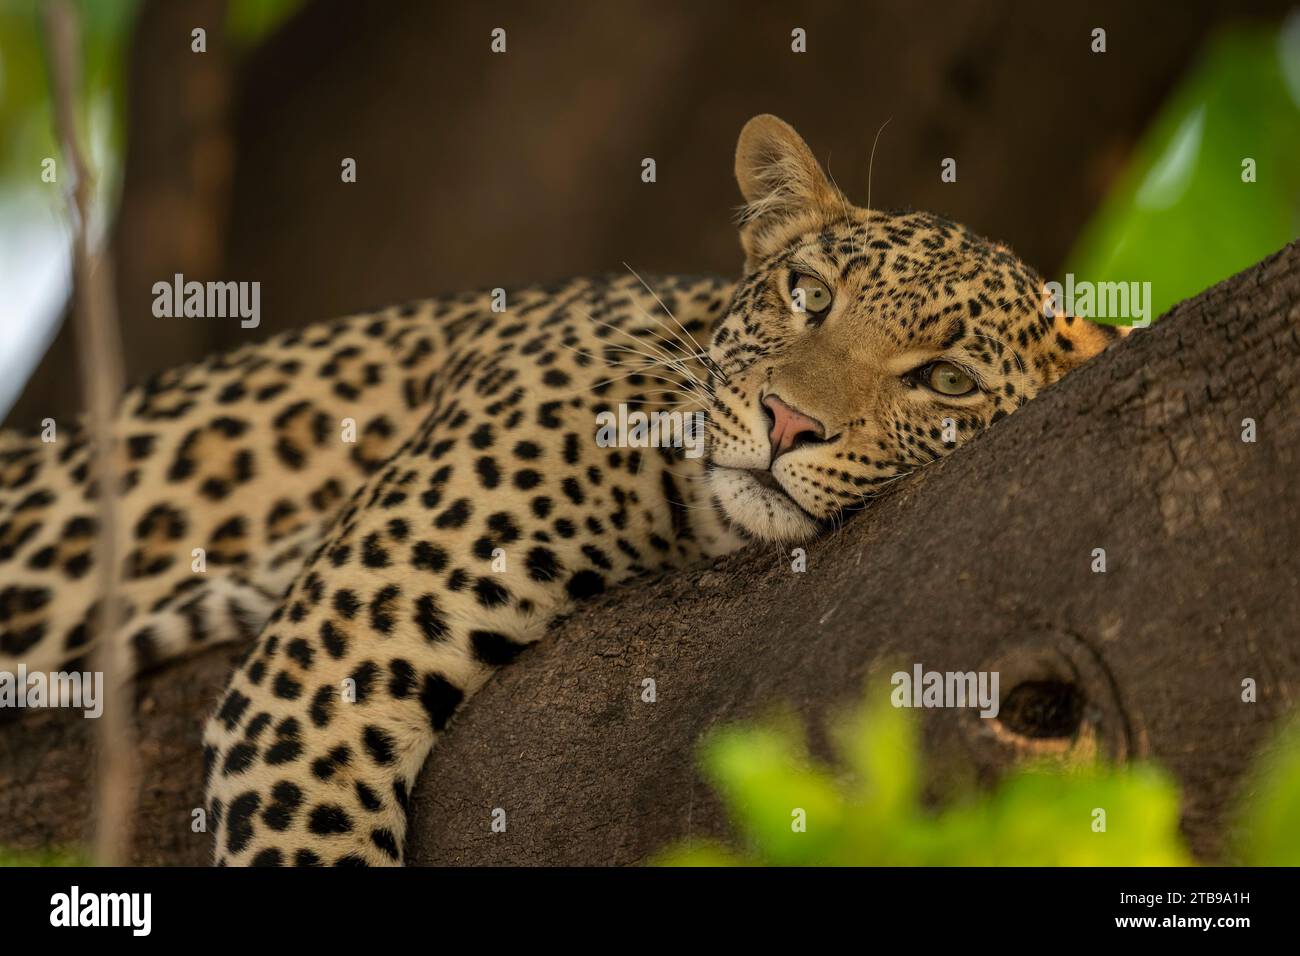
column 392, row 506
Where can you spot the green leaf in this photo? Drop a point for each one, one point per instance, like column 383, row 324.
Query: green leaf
column 871, row 812
column 1269, row 832
column 1180, row 216
column 773, row 789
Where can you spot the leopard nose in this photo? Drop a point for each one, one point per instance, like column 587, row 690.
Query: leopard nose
column 789, row 428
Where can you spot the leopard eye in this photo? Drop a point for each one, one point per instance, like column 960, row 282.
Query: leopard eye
column 811, row 294
column 947, row 379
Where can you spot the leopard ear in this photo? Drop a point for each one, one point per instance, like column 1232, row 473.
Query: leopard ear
column 1072, row 340
column 779, row 178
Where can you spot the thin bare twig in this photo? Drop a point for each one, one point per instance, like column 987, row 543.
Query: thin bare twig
column 99, row 351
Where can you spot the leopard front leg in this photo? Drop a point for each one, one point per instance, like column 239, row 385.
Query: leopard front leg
column 318, row 740
column 317, row 743
column 429, row 583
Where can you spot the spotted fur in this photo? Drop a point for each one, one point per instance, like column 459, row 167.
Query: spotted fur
column 387, row 579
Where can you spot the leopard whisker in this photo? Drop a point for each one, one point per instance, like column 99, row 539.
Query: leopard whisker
column 698, row 347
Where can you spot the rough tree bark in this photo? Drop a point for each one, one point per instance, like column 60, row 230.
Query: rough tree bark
column 981, row 561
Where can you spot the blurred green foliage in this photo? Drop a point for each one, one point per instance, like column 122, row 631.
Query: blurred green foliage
column 248, row 22
column 1268, row 831
column 43, row 858
column 1181, row 216
column 869, row 812
column 25, row 115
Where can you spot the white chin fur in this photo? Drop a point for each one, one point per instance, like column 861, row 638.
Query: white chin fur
column 765, row 514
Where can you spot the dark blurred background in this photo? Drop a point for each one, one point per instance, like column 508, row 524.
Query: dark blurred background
column 477, row 169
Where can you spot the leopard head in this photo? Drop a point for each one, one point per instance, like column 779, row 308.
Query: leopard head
column 860, row 345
